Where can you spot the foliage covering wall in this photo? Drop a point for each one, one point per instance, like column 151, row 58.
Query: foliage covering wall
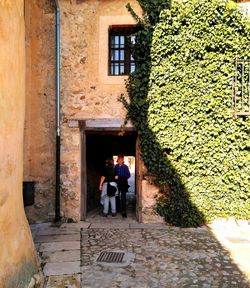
column 180, row 103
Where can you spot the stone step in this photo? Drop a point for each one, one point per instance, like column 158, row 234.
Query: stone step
column 64, row 268
column 60, row 246
column 61, row 256
column 57, row 238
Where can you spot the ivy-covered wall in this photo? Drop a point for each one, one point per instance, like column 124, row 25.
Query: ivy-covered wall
column 180, row 103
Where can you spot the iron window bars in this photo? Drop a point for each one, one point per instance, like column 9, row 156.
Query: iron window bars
column 241, row 88
column 121, row 41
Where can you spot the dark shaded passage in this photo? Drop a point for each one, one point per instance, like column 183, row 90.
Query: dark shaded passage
column 99, row 146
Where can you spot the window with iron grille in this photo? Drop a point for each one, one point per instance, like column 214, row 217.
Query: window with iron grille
column 121, row 41
column 241, row 88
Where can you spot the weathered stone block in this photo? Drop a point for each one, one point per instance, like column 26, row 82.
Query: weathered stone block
column 57, row 238
column 60, row 246
column 64, row 268
column 61, row 256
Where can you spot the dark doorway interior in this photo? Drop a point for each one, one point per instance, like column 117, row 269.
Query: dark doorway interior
column 99, row 146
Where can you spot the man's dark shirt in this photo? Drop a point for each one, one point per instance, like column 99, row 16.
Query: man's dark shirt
column 123, row 172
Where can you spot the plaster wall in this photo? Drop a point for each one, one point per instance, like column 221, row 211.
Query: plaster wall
column 18, row 260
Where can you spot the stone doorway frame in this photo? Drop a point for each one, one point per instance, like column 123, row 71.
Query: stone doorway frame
column 108, row 125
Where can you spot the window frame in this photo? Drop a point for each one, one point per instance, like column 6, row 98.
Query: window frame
column 126, row 31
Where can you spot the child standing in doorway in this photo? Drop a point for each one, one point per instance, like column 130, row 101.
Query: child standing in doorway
column 108, row 176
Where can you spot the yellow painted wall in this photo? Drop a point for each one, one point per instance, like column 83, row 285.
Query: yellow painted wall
column 18, row 260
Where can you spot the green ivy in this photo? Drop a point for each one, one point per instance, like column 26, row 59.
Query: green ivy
column 180, row 104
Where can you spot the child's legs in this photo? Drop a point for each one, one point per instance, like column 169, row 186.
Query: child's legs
column 105, row 204
column 113, row 204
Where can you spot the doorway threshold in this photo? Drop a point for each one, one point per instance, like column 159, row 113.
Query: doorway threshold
column 95, row 219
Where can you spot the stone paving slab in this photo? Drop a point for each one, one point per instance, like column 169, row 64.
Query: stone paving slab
column 57, row 238
column 35, row 227
column 148, row 226
column 65, row 281
column 61, row 268
column 231, row 228
column 110, row 225
column 234, row 235
column 60, row 246
column 117, row 219
column 57, row 231
column 79, row 225
column 61, row 256
column 239, row 240
column 40, row 226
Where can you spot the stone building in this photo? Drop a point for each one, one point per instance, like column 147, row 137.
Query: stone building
column 91, row 115
column 92, row 78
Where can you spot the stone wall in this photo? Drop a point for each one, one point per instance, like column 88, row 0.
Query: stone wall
column 18, row 260
column 86, row 92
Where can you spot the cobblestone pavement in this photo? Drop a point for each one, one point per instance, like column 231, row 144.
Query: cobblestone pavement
column 155, row 255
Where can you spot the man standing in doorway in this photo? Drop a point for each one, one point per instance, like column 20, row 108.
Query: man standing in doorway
column 122, row 172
